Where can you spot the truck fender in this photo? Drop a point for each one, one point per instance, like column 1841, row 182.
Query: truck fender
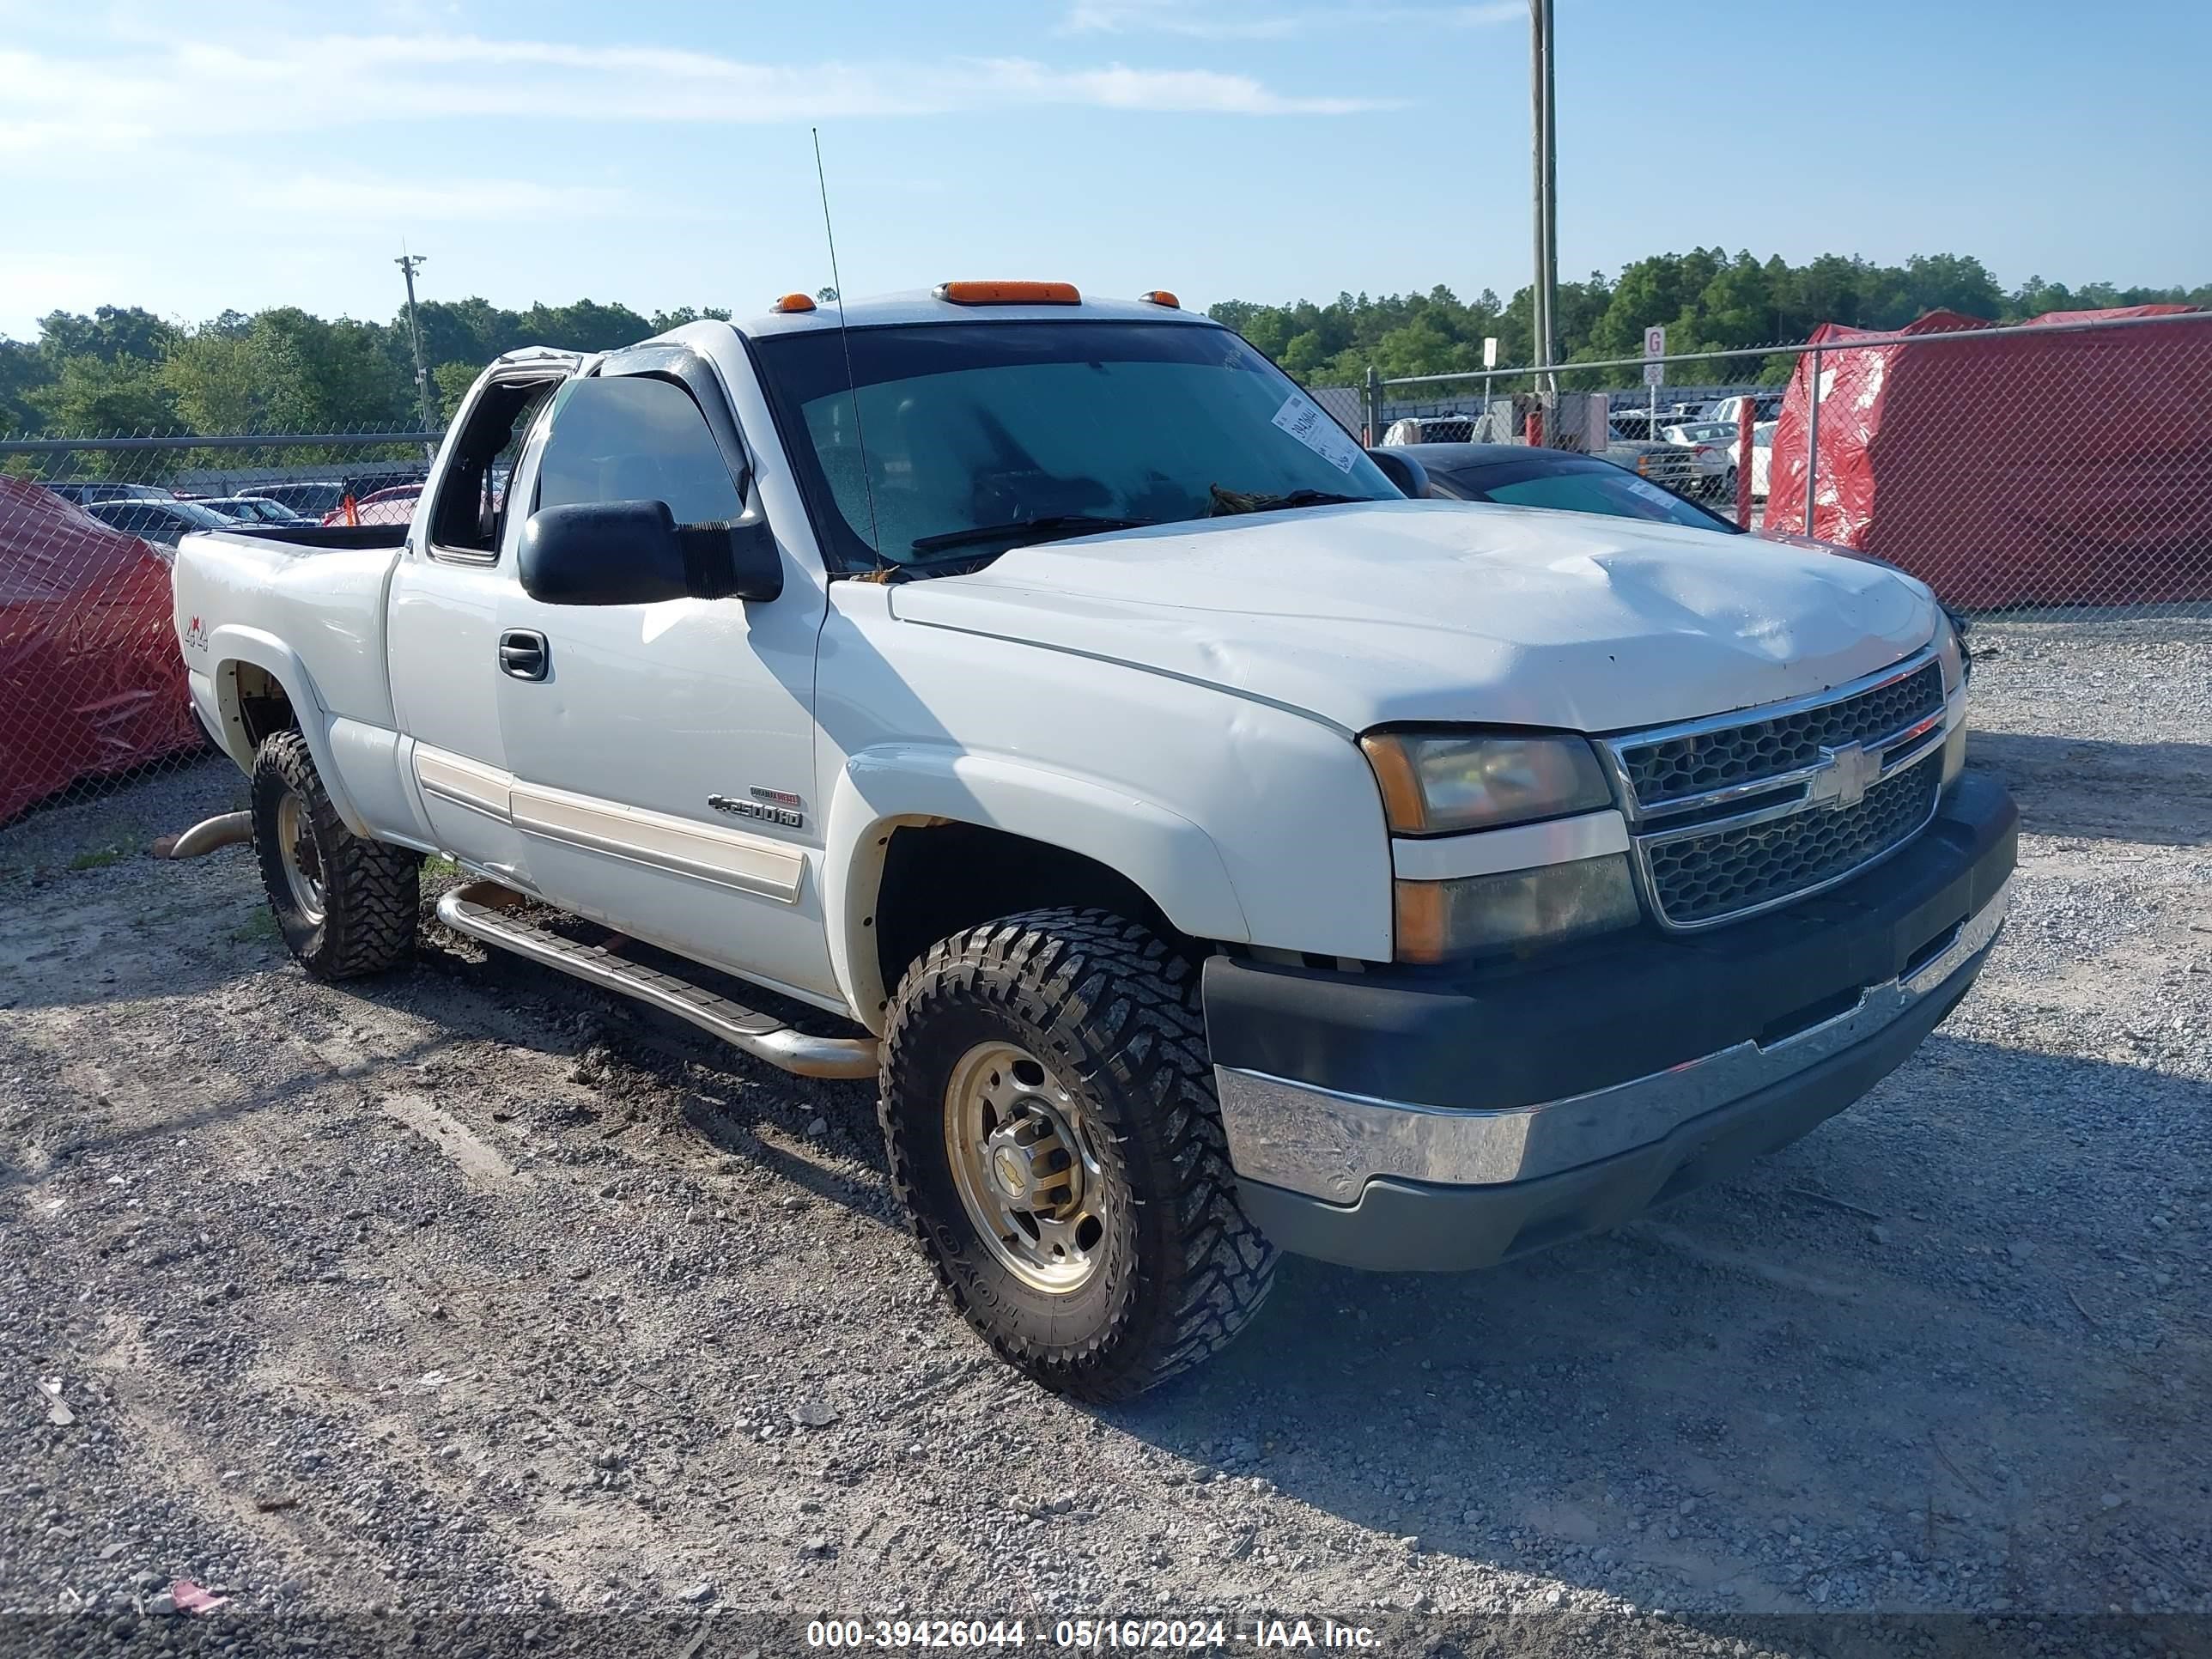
column 233, row 643
column 1172, row 860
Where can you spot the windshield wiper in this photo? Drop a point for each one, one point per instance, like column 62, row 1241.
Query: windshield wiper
column 1222, row 502
column 1021, row 530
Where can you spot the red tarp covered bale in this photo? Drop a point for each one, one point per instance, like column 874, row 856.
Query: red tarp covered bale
column 91, row 681
column 2069, row 468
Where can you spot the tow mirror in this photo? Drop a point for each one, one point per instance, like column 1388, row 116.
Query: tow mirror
column 636, row 553
column 1403, row 470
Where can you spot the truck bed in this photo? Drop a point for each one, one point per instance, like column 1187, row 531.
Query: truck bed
column 325, row 536
column 319, row 590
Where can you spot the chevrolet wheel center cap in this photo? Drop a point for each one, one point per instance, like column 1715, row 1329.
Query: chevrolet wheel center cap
column 1006, row 1165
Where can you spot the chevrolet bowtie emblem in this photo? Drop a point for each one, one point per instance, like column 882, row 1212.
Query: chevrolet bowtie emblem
column 1848, row 771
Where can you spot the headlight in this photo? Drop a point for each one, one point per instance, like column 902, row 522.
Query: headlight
column 1550, row 904
column 1951, row 652
column 1440, row 783
column 1958, row 667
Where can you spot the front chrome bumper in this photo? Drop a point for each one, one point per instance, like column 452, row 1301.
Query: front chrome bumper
column 1329, row 1146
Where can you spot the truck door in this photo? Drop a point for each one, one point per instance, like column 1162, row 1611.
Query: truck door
column 443, row 624
column 663, row 754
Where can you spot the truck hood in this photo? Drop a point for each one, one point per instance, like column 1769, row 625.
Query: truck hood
column 1450, row 611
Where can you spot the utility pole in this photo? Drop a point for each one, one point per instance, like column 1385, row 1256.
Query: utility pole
column 407, row 262
column 1543, row 134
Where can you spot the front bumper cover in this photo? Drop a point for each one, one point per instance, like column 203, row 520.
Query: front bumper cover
column 1481, row 1159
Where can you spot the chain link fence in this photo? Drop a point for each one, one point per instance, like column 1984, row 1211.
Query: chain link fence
column 2061, row 468
column 92, row 684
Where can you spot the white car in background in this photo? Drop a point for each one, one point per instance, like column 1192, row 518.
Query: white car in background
column 1712, row 445
column 1762, row 456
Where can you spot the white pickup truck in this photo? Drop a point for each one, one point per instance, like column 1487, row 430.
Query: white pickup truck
column 1210, row 850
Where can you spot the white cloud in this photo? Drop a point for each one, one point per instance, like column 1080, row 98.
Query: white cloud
column 150, row 87
column 1226, row 19
column 442, row 198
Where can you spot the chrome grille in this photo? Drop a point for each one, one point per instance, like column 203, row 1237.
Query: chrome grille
column 1703, row 879
column 1678, row 767
column 1736, row 814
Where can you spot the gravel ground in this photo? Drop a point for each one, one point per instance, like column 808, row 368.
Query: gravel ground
column 462, row 1290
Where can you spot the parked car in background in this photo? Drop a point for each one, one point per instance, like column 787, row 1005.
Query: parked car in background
column 1712, row 447
column 1636, row 421
column 1765, row 406
column 162, row 523
column 250, row 509
column 392, row 506
column 309, row 498
column 1515, row 474
column 1672, row 465
column 1431, row 429
column 1762, row 457
column 84, row 491
column 1698, row 432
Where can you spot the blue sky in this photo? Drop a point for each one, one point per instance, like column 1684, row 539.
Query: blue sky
column 187, row 156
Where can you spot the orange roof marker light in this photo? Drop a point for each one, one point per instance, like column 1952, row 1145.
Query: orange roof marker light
column 1009, row 294
column 793, row 302
column 1160, row 296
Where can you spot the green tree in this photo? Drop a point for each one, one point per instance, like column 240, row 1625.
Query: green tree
column 22, row 372
column 452, row 381
column 110, row 332
column 121, row 367
column 215, row 377
column 96, row 396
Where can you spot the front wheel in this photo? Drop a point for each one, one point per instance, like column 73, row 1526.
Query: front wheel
column 1050, row 1119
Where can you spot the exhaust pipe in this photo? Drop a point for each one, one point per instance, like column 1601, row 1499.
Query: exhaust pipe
column 205, row 836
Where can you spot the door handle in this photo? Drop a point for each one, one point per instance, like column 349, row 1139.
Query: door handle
column 524, row 655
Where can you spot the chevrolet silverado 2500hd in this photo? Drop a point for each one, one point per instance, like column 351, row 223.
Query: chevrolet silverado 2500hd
column 1210, row 850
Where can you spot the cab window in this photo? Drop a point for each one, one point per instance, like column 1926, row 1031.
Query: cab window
column 472, row 506
column 636, row 438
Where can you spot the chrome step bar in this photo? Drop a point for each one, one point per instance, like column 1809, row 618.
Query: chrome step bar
column 484, row 910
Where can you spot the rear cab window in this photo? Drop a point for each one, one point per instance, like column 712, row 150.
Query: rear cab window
column 470, row 511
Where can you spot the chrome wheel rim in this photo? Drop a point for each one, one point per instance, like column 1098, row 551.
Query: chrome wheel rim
column 303, row 864
column 1027, row 1173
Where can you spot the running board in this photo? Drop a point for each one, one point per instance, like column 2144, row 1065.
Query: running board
column 483, row 909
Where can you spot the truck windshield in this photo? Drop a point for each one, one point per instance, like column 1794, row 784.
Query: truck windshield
column 974, row 437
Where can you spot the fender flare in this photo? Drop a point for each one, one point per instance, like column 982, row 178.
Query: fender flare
column 1171, row 859
column 234, row 644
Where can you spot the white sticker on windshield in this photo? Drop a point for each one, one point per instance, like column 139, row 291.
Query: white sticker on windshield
column 1309, row 422
column 1650, row 492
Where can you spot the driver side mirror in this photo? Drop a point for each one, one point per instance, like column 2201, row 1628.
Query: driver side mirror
column 636, row 553
column 1403, row 470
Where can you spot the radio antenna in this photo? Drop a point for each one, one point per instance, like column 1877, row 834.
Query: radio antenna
column 845, row 339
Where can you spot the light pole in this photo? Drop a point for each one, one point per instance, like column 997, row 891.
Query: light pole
column 1543, row 134
column 407, row 262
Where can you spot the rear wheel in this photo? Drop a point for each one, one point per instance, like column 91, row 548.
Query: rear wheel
column 345, row 905
column 1053, row 1132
